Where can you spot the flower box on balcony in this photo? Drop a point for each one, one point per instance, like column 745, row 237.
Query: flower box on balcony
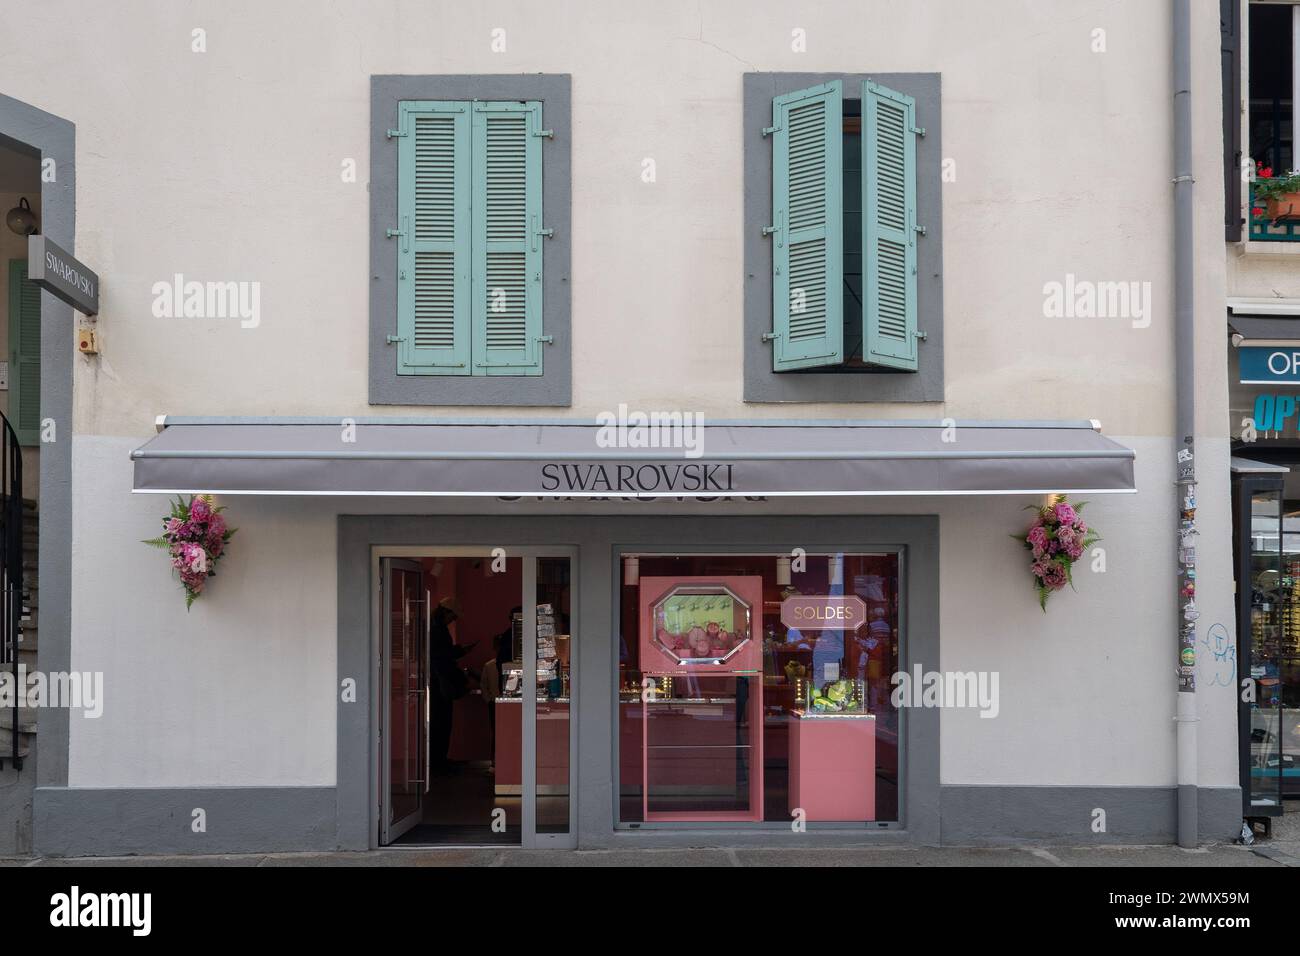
column 1284, row 207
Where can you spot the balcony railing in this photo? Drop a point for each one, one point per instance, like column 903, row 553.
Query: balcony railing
column 1262, row 229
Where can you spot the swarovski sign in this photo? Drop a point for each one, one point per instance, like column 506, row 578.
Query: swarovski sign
column 637, row 479
column 63, row 276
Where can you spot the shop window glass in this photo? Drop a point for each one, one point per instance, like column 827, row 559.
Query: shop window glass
column 729, row 714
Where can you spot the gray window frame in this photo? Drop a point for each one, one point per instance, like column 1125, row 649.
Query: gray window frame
column 762, row 384
column 555, row 386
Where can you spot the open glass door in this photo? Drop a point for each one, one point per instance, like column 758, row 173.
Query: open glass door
column 405, row 758
column 476, row 739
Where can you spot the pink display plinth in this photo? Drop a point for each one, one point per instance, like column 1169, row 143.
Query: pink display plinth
column 833, row 768
column 552, row 745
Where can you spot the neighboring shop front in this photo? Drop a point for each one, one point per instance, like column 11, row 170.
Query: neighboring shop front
column 1265, row 408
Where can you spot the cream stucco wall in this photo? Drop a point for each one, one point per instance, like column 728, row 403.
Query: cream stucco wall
column 239, row 691
column 225, row 165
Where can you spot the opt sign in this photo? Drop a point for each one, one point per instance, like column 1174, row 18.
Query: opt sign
column 1262, row 365
column 823, row 612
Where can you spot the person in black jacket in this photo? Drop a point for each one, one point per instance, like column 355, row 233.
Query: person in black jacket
column 448, row 682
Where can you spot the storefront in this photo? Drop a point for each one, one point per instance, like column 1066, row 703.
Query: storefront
column 693, row 674
column 1266, row 551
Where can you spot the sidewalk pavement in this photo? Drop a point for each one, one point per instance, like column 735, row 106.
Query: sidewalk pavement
column 1266, row 853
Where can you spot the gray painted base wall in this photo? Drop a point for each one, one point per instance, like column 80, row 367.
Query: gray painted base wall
column 85, row 822
column 90, row 822
column 992, row 815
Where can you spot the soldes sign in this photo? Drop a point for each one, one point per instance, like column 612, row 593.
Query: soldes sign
column 823, row 612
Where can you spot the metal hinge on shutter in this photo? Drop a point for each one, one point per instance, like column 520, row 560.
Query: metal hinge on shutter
column 771, row 336
column 395, row 339
column 769, row 130
column 404, row 232
column 546, row 339
column 548, row 133
column 397, row 132
column 918, row 130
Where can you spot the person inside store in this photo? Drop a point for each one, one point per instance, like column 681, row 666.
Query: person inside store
column 448, row 680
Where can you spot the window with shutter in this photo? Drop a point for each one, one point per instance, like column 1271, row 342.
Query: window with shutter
column 507, row 239
column 889, row 226
column 470, row 232
column 807, row 229
column 25, row 354
column 433, row 260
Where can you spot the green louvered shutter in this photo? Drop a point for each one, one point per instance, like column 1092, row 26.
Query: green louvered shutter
column 807, row 229
column 433, row 262
column 25, row 354
column 507, row 238
column 889, row 226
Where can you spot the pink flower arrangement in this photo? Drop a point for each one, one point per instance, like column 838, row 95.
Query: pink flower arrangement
column 1058, row 537
column 195, row 534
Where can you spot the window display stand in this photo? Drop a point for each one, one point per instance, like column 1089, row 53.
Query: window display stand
column 693, row 628
column 833, row 766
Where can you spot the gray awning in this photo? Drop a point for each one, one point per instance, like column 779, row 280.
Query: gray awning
column 1247, row 466
column 567, row 458
column 1265, row 328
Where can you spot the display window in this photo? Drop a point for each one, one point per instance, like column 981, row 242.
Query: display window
column 755, row 689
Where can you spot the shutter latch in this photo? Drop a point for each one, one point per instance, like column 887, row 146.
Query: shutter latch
column 771, row 336
column 396, row 132
column 394, row 339
column 918, row 130
column 546, row 232
column 548, row 133
column 769, row 130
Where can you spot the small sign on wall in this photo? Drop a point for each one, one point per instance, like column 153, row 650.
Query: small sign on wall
column 60, row 274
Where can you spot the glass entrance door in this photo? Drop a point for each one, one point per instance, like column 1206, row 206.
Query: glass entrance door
column 476, row 733
column 405, row 751
column 1266, row 608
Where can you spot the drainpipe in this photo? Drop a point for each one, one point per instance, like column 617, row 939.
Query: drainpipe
column 1185, row 391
